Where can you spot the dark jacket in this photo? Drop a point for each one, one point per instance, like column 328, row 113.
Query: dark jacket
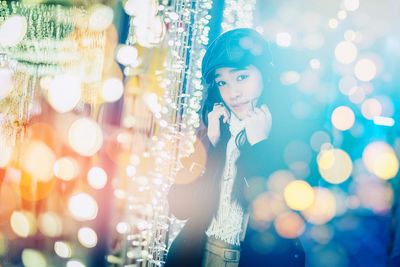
column 198, row 202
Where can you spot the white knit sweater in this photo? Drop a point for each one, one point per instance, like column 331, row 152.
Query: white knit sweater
column 227, row 224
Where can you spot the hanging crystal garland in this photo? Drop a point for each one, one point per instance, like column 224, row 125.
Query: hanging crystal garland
column 238, row 14
column 188, row 35
column 144, row 224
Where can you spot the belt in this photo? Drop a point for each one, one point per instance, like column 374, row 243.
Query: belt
column 227, row 251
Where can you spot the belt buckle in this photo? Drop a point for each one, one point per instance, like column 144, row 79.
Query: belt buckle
column 231, row 255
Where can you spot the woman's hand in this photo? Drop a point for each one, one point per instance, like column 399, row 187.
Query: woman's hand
column 258, row 124
column 213, row 130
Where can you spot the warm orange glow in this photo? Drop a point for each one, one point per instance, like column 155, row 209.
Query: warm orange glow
column 289, row 225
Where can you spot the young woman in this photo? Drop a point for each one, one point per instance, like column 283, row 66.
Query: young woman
column 217, row 204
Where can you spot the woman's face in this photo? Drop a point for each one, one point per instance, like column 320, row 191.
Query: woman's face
column 239, row 88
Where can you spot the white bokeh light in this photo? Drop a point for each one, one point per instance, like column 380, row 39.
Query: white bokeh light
column 343, row 118
column 351, row 5
column 146, row 8
column 346, row 52
column 82, row 207
column 365, row 70
column 127, row 55
column 97, row 177
column 85, row 137
column 101, row 17
column 64, row 92
column 283, row 39
column 87, row 237
column 13, row 30
column 112, row 89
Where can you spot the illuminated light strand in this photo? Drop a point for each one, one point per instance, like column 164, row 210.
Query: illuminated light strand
column 238, row 14
column 151, row 218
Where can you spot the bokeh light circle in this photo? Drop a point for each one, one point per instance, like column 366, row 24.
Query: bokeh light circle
column 38, row 159
column 97, row 177
column 66, row 168
column 381, row 160
column 346, row 52
column 299, row 195
column 13, row 30
column 323, row 208
column 289, row 225
column 85, row 136
column 82, row 207
column 64, row 92
column 365, row 70
column 87, row 237
column 343, row 118
column 334, row 165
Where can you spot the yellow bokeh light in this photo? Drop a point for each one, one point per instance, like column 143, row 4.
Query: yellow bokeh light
column 323, row 208
column 97, row 177
column 343, row 118
column 13, row 30
column 346, row 52
column 37, row 159
column 289, row 225
column 85, row 136
column 23, row 223
column 386, row 166
column 365, row 70
column 87, row 237
column 50, row 224
column 63, row 249
column 299, row 195
column 380, row 159
column 334, row 165
column 112, row 89
column 6, row 82
column 342, row 14
column 82, row 207
column 64, row 92
column 66, row 168
column 33, row 258
column 333, row 23
column 101, row 17
column 371, row 108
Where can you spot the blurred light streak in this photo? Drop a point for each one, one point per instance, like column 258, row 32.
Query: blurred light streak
column 384, row 121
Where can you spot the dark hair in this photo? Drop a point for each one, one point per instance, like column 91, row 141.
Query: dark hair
column 237, row 48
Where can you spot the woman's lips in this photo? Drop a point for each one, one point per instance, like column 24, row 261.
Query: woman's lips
column 239, row 105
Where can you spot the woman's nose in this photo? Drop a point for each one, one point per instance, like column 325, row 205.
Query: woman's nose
column 235, row 92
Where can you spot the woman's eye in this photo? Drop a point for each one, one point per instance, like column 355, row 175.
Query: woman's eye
column 242, row 77
column 221, row 83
